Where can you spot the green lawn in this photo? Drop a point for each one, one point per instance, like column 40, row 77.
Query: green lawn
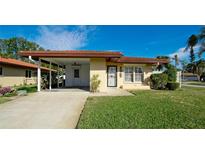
column 196, row 83
column 28, row 88
column 4, row 99
column 183, row 108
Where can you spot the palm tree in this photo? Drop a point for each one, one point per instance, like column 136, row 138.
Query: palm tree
column 191, row 43
column 176, row 60
column 193, row 40
column 202, row 42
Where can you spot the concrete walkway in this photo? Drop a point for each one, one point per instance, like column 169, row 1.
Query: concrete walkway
column 43, row 110
column 196, row 86
column 56, row 109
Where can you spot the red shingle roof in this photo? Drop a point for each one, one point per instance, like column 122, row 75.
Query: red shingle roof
column 139, row 60
column 113, row 56
column 72, row 54
column 21, row 63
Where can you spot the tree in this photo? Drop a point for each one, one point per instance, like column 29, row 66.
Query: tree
column 202, row 42
column 10, row 47
column 200, row 67
column 160, row 66
column 194, row 40
column 162, row 57
column 191, row 43
column 197, row 67
column 171, row 71
column 175, row 59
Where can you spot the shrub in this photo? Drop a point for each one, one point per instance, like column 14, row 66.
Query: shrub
column 171, row 71
column 95, row 83
column 172, row 85
column 5, row 90
column 159, row 81
column 44, row 82
column 10, row 94
column 29, row 89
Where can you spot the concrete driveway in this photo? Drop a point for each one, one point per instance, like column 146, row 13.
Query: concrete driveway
column 43, row 110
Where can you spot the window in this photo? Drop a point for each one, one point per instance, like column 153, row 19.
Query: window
column 76, row 73
column 28, row 74
column 133, row 74
column 1, row 71
column 129, row 74
column 138, row 74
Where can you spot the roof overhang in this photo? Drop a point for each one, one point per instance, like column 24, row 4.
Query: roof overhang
column 71, row 54
column 139, row 60
column 23, row 64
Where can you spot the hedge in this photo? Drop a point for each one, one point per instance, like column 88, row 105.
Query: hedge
column 159, row 81
column 172, row 85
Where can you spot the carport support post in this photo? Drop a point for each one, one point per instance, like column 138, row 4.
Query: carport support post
column 50, row 77
column 58, row 77
column 180, row 79
column 39, row 75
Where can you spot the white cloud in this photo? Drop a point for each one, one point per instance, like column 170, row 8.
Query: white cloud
column 182, row 54
column 60, row 38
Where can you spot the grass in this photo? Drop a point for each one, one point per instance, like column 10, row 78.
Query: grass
column 196, row 83
column 28, row 88
column 183, row 108
column 4, row 99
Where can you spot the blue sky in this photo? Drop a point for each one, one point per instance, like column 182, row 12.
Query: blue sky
column 141, row 41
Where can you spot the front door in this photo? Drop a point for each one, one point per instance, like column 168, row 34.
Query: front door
column 112, row 76
column 76, row 77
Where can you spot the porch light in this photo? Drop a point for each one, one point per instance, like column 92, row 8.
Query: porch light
column 76, row 64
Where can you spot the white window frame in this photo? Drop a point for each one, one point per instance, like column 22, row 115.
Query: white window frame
column 133, row 73
column 142, row 74
column 125, row 75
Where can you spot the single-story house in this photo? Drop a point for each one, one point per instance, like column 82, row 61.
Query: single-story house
column 114, row 69
column 190, row 77
column 15, row 72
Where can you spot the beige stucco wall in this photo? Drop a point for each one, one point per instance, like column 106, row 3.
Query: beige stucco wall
column 140, row 85
column 15, row 76
column 84, row 76
column 98, row 66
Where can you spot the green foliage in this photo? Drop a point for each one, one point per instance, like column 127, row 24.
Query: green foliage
column 4, row 99
column 197, row 67
column 95, row 83
column 10, row 94
column 29, row 89
column 10, row 47
column 171, row 72
column 159, row 81
column 162, row 57
column 44, row 82
column 182, row 108
column 191, row 43
column 194, row 40
column 172, row 85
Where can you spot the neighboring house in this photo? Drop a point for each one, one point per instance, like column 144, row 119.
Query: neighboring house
column 190, row 77
column 114, row 69
column 16, row 72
